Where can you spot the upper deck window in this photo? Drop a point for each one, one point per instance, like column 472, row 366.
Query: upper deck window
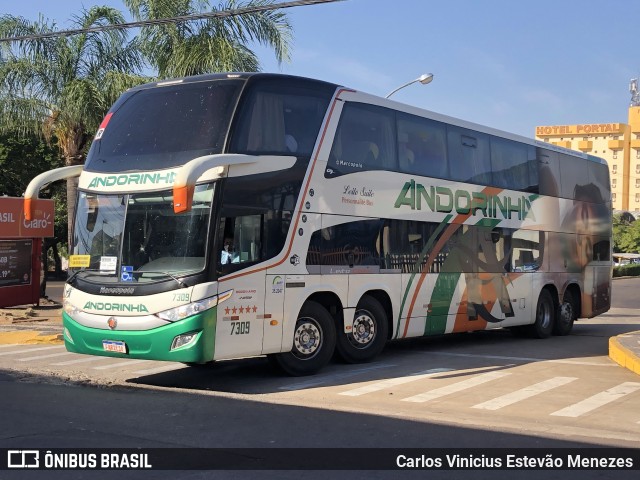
column 164, row 127
column 422, row 146
column 280, row 116
column 365, row 140
column 469, row 157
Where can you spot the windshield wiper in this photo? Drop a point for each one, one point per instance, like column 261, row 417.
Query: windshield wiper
column 178, row 281
column 93, row 270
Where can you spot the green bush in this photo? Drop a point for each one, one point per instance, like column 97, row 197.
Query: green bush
column 630, row 270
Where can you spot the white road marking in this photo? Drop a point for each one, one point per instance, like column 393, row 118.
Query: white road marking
column 523, row 359
column 598, row 400
column 85, row 359
column 393, row 382
column 41, row 357
column 30, row 350
column 456, row 387
column 164, row 368
column 321, row 379
column 124, row 363
column 524, row 393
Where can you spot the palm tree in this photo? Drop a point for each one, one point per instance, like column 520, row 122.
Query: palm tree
column 209, row 45
column 61, row 87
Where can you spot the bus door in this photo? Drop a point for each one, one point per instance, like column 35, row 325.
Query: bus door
column 240, row 320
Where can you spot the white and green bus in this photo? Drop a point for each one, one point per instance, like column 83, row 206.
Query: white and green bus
column 233, row 215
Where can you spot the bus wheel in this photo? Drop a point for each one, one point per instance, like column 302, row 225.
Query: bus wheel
column 314, row 340
column 543, row 326
column 565, row 316
column 368, row 335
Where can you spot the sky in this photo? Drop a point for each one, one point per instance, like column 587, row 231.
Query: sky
column 507, row 64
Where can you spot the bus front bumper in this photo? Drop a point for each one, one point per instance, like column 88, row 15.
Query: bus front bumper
column 153, row 344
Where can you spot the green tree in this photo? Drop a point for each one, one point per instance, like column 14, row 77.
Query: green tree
column 22, row 157
column 626, row 234
column 61, row 87
column 209, row 45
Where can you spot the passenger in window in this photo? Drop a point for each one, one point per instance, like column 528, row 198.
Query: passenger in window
column 228, row 254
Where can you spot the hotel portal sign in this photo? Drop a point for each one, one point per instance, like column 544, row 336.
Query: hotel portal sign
column 584, row 129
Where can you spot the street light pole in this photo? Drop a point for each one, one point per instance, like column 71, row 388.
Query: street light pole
column 423, row 79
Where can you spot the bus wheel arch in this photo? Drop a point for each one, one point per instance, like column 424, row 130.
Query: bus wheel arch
column 545, row 314
column 568, row 310
column 314, row 341
column 370, row 330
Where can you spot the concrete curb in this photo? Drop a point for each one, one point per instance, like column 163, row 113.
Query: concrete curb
column 625, row 351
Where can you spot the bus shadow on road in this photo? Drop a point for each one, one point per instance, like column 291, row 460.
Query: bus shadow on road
column 454, row 355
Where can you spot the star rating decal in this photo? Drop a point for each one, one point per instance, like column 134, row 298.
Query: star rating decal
column 240, row 310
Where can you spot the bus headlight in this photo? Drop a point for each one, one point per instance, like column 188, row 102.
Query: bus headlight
column 184, row 311
column 69, row 309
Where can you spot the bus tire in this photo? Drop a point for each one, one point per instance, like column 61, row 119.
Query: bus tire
column 368, row 335
column 314, row 341
column 545, row 316
column 565, row 316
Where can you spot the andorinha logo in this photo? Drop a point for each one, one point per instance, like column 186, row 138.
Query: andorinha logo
column 115, row 307
column 133, row 179
column 446, row 200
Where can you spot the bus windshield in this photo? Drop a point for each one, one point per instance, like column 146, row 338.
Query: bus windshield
column 157, row 128
column 138, row 237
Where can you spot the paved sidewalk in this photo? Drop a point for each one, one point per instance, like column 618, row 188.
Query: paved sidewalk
column 27, row 324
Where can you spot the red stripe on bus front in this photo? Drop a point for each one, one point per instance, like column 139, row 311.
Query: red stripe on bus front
column 105, row 120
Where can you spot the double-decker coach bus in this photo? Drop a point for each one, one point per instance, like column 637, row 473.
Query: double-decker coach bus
column 233, row 215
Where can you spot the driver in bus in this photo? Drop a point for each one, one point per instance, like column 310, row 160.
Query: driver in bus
column 228, row 254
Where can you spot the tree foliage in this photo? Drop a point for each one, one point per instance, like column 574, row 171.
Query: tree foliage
column 22, row 157
column 209, row 45
column 626, row 234
column 60, row 88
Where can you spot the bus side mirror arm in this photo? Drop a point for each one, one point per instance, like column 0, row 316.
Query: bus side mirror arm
column 35, row 185
column 187, row 176
column 215, row 165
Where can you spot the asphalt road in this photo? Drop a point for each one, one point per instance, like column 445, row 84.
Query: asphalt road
column 37, row 414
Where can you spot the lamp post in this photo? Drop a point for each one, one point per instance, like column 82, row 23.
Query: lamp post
column 423, row 79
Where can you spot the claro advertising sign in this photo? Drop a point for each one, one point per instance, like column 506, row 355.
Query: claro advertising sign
column 14, row 225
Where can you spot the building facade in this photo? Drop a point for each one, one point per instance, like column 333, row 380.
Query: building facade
column 617, row 143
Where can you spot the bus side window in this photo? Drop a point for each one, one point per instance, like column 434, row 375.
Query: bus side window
column 509, row 161
column 365, row 140
column 421, row 146
column 548, row 172
column 469, row 156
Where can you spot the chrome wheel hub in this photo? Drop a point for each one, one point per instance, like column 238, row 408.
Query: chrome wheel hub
column 307, row 338
column 364, row 329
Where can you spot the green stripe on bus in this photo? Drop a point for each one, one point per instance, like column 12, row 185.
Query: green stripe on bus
column 443, row 292
column 426, row 248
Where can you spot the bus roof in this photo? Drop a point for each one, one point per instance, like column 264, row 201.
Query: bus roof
column 376, row 100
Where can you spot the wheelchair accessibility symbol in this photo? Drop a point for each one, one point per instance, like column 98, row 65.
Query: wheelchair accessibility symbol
column 127, row 274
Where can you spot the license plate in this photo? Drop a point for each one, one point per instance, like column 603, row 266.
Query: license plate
column 114, row 346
